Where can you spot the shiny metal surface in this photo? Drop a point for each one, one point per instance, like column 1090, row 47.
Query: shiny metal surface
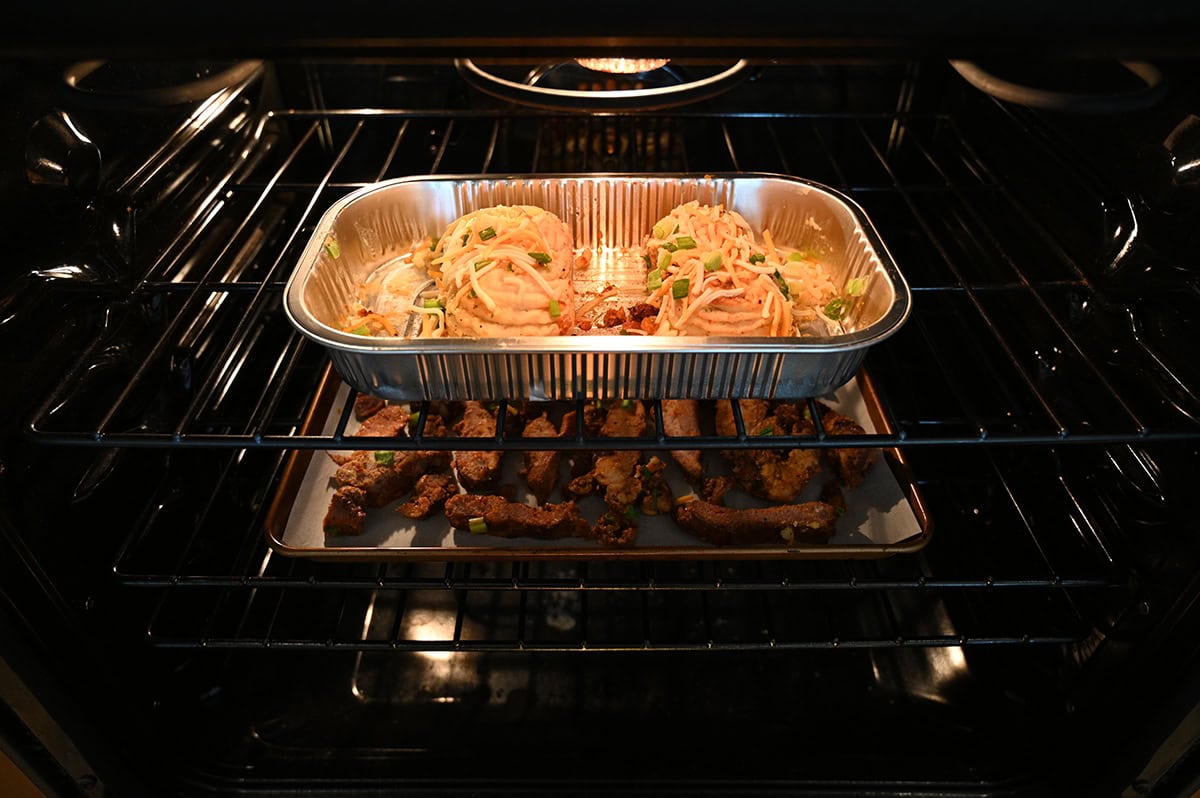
column 610, row 216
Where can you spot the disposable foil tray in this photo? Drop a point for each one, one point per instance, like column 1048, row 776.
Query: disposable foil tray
column 610, row 216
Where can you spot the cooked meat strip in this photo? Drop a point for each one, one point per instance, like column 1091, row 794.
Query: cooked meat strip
column 478, row 421
column 389, row 421
column 714, row 489
column 434, row 427
column 346, row 514
column 541, row 466
column 594, row 414
column 368, row 478
column 681, row 417
column 808, row 522
column 656, row 493
column 514, row 519
column 517, row 415
column 477, row 469
column 849, row 464
column 615, row 529
column 385, row 421
column 429, row 495
column 624, row 419
column 617, row 472
column 367, row 405
column 628, row 484
column 774, row 474
column 385, row 479
column 754, row 412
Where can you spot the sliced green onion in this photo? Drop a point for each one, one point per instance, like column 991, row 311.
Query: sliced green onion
column 433, row 303
column 669, row 247
column 758, row 257
column 712, row 262
column 795, row 256
column 333, row 249
column 414, row 418
column 555, row 311
column 665, row 227
column 653, row 280
column 466, row 237
column 385, row 458
column 767, row 430
column 782, row 283
column 685, row 242
column 836, row 308
column 664, row 260
column 361, row 330
column 626, row 403
column 646, row 260
column 479, row 264
column 679, row 288
column 856, row 286
column 433, row 245
column 477, row 526
column 631, row 513
column 486, row 233
column 540, row 257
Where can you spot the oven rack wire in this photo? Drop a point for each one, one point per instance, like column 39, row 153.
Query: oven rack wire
column 1012, row 340
column 1017, row 566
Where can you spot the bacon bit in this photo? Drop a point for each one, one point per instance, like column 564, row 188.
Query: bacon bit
column 642, row 310
column 614, row 317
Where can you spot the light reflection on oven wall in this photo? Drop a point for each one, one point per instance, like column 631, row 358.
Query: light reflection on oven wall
column 437, row 674
column 440, row 675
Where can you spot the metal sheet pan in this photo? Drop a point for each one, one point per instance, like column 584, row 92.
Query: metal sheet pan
column 886, row 515
column 610, row 216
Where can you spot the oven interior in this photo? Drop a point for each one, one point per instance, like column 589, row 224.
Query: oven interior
column 1042, row 391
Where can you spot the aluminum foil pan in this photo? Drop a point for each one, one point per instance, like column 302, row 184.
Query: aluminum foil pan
column 610, row 215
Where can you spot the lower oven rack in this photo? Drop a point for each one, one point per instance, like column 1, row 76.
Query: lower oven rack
column 1034, row 570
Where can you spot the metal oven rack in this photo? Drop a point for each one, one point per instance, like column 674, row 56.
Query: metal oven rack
column 1032, row 405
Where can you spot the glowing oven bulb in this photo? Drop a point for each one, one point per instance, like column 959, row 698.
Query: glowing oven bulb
column 623, row 66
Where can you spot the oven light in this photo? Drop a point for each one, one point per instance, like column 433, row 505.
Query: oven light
column 623, row 66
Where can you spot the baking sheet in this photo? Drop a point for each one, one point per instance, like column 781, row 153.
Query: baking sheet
column 885, row 515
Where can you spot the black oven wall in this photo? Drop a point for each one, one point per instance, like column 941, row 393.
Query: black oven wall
column 1042, row 393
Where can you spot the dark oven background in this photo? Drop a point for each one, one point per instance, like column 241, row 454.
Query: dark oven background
column 1043, row 392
